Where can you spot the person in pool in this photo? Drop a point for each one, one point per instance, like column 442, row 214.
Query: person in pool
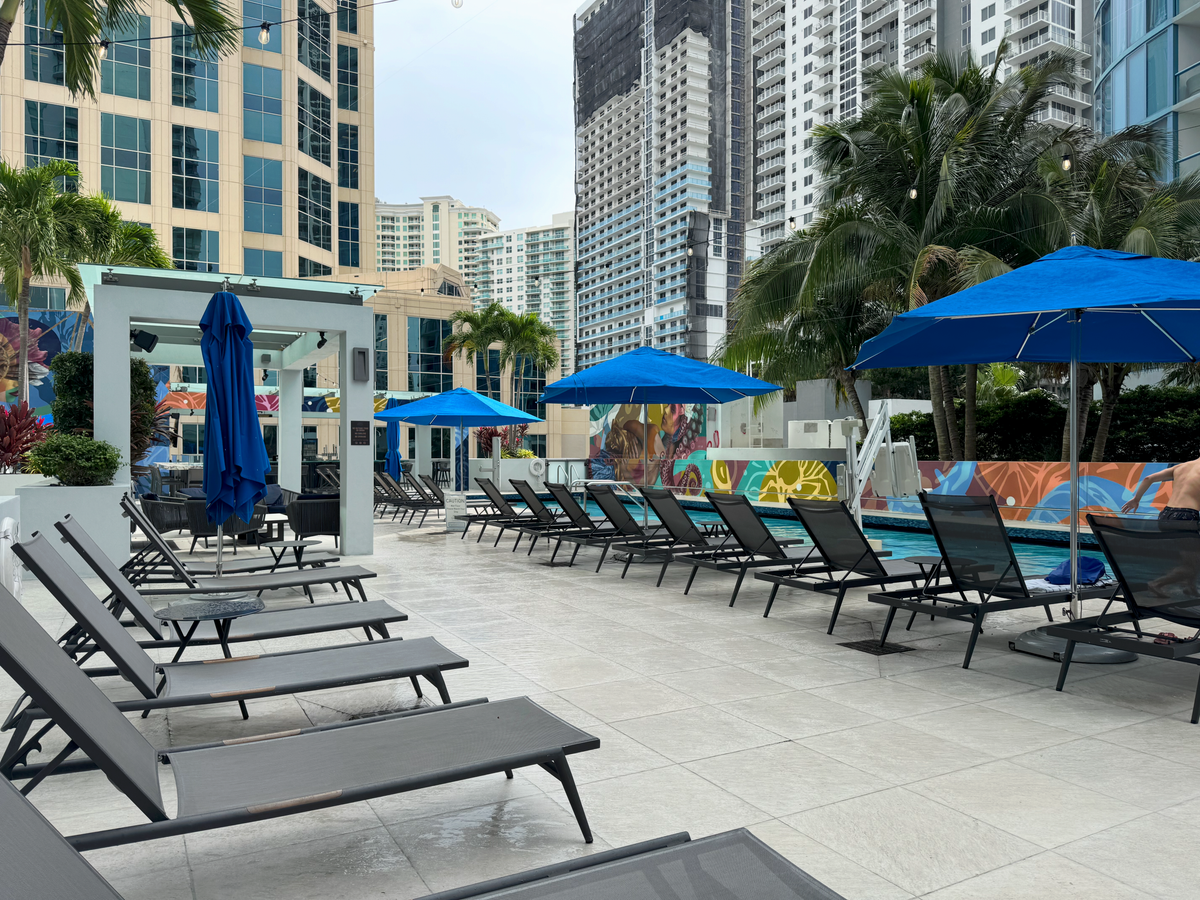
column 1185, row 493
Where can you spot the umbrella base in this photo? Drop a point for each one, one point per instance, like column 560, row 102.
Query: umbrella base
column 229, row 595
column 1038, row 643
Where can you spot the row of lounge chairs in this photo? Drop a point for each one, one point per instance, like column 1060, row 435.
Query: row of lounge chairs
column 976, row 572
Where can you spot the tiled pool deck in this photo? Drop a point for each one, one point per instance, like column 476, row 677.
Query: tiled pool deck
column 885, row 777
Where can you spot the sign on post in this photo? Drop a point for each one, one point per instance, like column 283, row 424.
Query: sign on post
column 456, row 505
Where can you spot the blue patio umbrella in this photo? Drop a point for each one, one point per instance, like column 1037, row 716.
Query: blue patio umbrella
column 461, row 408
column 391, row 460
column 235, row 457
column 1076, row 305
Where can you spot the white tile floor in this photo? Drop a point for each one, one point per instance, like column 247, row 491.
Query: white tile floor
column 885, row 777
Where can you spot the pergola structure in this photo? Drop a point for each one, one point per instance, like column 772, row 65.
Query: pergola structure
column 289, row 315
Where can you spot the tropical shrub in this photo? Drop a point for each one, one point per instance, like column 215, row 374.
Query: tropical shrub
column 76, row 459
column 72, row 406
column 20, row 431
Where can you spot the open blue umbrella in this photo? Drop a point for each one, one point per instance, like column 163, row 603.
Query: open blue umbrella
column 1076, row 305
column 235, row 457
column 461, row 408
column 391, row 460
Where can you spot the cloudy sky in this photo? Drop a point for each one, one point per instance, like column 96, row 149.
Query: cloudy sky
column 476, row 103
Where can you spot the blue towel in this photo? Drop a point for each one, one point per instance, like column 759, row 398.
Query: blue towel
column 1091, row 570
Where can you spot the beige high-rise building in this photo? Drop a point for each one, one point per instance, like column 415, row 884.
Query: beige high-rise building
column 260, row 163
column 436, row 231
column 532, row 270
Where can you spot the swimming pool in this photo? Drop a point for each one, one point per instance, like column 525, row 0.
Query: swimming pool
column 1036, row 561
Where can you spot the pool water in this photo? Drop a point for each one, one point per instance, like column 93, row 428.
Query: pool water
column 1036, row 560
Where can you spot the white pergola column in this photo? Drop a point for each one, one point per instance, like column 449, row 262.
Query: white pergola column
column 291, row 428
column 357, row 463
column 423, row 461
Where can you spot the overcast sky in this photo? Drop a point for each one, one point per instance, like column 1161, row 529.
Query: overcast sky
column 476, row 103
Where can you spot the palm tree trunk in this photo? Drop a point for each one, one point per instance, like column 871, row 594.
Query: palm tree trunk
column 939, row 412
column 23, row 326
column 1087, row 380
column 951, row 416
column 848, row 380
column 8, row 15
column 80, row 331
column 969, row 386
column 1110, row 387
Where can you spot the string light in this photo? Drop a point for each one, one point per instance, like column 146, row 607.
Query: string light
column 104, row 49
column 264, row 34
column 1066, row 162
column 912, row 192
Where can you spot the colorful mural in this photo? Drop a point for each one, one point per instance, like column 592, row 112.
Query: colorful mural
column 50, row 333
column 269, row 403
column 677, row 431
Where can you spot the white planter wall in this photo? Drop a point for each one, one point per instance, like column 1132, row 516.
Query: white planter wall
column 97, row 509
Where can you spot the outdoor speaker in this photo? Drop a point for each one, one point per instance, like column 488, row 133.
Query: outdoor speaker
column 360, row 364
column 144, row 340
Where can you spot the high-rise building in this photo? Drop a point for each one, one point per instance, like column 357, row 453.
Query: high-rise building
column 435, row 231
column 1148, row 73
column 809, row 58
column 259, row 162
column 662, row 124
column 532, row 270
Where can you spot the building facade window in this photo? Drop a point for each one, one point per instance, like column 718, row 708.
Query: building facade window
column 531, row 384
column 347, row 156
column 313, row 122
column 315, row 210
column 348, row 234
column 429, row 372
column 254, row 13
column 262, row 103
column 195, row 170
column 381, row 354
column 43, row 47
column 347, row 15
column 312, row 36
column 125, row 158
column 487, row 373
column 126, row 71
column 262, row 195
column 347, row 82
column 268, row 263
column 51, row 132
column 39, row 298
column 196, row 250
column 193, row 75
column 310, row 269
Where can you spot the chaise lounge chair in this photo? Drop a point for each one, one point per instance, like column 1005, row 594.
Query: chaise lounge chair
column 977, row 558
column 497, row 511
column 1158, row 567
column 752, row 546
column 845, row 549
column 549, row 522
column 250, row 779
column 625, row 529
column 680, row 534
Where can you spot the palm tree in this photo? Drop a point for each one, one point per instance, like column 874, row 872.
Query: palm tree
column 937, row 185
column 475, row 330
column 83, row 24
column 526, row 340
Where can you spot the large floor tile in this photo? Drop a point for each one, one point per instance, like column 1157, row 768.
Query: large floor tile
column 1072, row 712
column 911, row 841
column 1155, row 853
column 628, row 699
column 989, row 730
column 896, row 753
column 1046, row 874
column 885, row 699
column 722, row 684
column 695, row 733
column 798, row 714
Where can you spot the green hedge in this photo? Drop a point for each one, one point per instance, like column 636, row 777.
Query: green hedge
column 1150, row 424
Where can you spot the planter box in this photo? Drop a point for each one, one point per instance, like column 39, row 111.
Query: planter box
column 97, row 509
column 10, row 483
column 509, row 469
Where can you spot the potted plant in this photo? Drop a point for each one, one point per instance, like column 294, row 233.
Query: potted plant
column 75, row 459
column 20, row 431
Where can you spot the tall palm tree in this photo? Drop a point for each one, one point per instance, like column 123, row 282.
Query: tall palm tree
column 526, row 340
column 83, row 23
column 475, row 330
column 937, row 185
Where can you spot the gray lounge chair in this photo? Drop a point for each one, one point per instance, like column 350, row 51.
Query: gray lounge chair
column 373, row 616
column 250, row 779
column 1158, row 567
column 36, row 861
column 752, row 545
column 731, row 866
column 625, row 529
column 977, row 558
column 845, row 549
column 547, row 521
column 169, row 685
column 681, row 535
column 497, row 511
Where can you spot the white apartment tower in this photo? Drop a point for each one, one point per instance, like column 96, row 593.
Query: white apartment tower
column 809, row 57
column 435, row 231
column 532, row 270
column 662, row 124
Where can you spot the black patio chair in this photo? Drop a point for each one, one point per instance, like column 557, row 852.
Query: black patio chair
column 680, row 533
column 977, row 558
column 251, row 779
column 545, row 521
column 1158, row 567
column 316, row 517
column 731, row 866
column 845, row 548
column 497, row 510
column 577, row 521
column 624, row 528
column 165, row 515
column 202, row 529
column 753, row 546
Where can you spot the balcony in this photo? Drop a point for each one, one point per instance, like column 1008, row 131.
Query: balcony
column 774, row 39
column 1057, row 116
column 776, row 73
column 771, row 129
column 769, row 56
column 916, row 55
column 766, row 23
column 827, row 44
column 824, row 64
column 825, row 103
column 918, row 32
column 884, row 12
column 776, row 163
column 1013, row 8
column 876, row 60
column 765, row 9
column 1071, row 93
column 1187, row 89
column 1048, row 40
column 912, row 10
column 770, row 181
column 824, row 7
column 825, row 25
column 1032, row 21
column 873, row 41
column 780, row 107
column 777, row 90
column 767, row 147
column 776, row 200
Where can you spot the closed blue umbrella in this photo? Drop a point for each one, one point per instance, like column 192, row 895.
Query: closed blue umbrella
column 391, row 461
column 235, row 457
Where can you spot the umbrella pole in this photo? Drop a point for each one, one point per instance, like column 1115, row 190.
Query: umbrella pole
column 220, row 547
column 1076, row 329
column 645, row 459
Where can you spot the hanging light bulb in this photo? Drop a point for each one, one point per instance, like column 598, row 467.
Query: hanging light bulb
column 1066, row 162
column 264, row 34
column 457, row 4
column 690, row 252
column 912, row 192
column 104, row 49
